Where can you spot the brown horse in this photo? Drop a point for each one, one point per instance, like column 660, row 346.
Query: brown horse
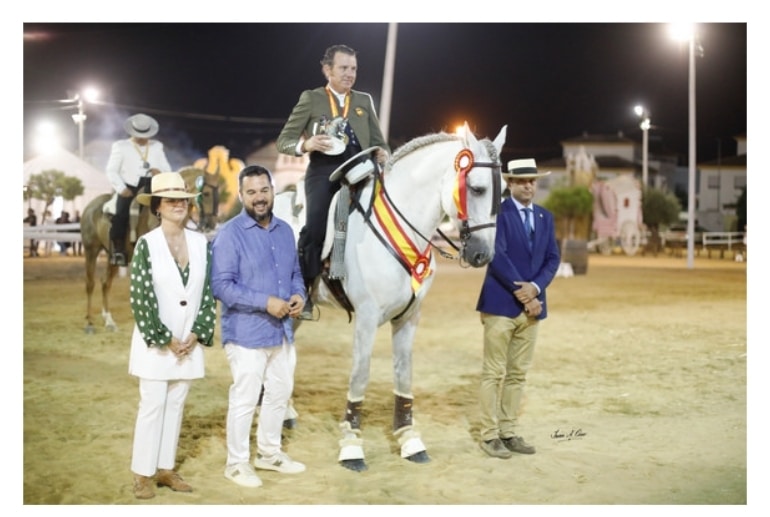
column 205, row 211
column 95, row 233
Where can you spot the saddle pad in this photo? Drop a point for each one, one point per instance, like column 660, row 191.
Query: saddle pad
column 111, row 206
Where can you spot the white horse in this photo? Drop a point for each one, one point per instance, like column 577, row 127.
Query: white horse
column 389, row 265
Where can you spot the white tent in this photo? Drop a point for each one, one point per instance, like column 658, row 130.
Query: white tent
column 94, row 181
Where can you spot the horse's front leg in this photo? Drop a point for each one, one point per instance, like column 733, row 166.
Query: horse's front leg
column 412, row 447
column 352, row 445
column 109, row 276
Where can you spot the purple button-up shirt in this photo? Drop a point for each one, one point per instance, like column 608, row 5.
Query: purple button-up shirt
column 249, row 264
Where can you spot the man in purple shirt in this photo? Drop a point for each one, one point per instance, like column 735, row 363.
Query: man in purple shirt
column 255, row 274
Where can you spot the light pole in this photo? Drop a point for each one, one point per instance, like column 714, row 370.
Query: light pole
column 691, row 160
column 688, row 32
column 79, row 118
column 642, row 112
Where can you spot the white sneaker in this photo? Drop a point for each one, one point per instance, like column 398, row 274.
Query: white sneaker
column 280, row 463
column 243, row 474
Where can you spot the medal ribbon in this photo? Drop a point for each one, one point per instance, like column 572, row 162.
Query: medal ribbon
column 419, row 263
column 334, row 104
column 463, row 165
column 145, row 163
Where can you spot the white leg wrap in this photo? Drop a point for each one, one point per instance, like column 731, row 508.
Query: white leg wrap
column 109, row 323
column 410, row 441
column 351, row 449
column 351, row 445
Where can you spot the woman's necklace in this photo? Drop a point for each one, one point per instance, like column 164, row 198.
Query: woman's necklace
column 178, row 248
column 143, row 156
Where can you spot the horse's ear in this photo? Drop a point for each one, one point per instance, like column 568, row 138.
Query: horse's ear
column 500, row 139
column 467, row 135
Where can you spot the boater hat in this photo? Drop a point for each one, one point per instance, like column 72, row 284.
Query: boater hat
column 141, row 126
column 526, row 169
column 166, row 184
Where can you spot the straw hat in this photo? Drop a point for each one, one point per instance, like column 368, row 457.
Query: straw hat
column 166, row 184
column 141, row 126
column 526, row 169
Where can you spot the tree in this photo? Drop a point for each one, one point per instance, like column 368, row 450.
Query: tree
column 741, row 209
column 50, row 184
column 659, row 208
column 570, row 204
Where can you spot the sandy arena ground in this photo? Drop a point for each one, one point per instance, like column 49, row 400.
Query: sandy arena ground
column 642, row 361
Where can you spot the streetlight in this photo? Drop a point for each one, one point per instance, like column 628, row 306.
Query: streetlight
column 687, row 32
column 642, row 112
column 80, row 117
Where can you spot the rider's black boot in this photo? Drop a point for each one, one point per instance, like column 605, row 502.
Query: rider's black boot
column 118, row 255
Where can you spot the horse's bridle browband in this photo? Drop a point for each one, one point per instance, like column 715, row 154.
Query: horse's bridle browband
column 466, row 230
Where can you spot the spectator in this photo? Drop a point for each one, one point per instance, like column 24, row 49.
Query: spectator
column 511, row 304
column 175, row 313
column 31, row 220
column 256, row 277
column 64, row 218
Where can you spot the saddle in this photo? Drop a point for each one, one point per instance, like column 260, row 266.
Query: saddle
column 110, row 207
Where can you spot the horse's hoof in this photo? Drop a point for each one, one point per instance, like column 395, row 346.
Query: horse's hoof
column 89, row 329
column 419, row 457
column 357, row 465
column 290, row 423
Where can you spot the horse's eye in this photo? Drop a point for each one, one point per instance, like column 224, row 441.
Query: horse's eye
column 477, row 191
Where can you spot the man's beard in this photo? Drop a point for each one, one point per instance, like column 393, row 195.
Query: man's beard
column 260, row 218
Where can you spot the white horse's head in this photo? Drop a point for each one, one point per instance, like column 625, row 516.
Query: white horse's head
column 473, row 200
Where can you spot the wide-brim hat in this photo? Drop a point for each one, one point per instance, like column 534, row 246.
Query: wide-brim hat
column 141, row 126
column 525, row 168
column 356, row 167
column 166, row 184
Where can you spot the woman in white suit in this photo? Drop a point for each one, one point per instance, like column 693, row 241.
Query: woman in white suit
column 175, row 312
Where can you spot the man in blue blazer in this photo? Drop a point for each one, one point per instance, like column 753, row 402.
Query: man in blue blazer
column 306, row 132
column 511, row 303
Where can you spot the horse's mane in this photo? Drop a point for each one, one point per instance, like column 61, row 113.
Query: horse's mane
column 433, row 138
column 418, row 143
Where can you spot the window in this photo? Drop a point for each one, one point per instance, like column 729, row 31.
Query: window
column 713, row 181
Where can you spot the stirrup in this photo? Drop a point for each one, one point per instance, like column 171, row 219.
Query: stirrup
column 118, row 259
column 314, row 314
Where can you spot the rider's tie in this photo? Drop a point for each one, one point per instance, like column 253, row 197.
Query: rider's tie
column 528, row 226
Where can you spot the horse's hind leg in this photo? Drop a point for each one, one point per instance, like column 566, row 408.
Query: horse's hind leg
column 352, row 446
column 412, row 447
column 90, row 273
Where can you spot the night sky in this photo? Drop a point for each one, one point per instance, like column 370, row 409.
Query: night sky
column 234, row 84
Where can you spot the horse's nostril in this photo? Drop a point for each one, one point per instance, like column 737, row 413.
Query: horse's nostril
column 481, row 259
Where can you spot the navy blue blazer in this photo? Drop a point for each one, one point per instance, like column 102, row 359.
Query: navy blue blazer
column 514, row 261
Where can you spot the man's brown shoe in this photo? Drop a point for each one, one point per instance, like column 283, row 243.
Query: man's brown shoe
column 517, row 444
column 172, row 480
column 495, row 448
column 143, row 487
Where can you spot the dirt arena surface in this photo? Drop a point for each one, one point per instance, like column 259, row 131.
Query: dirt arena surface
column 637, row 396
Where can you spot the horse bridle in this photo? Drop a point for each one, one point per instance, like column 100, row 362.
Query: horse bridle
column 465, row 231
